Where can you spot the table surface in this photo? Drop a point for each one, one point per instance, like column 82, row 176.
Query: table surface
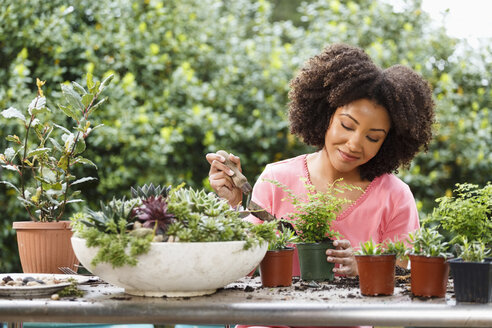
column 246, row 302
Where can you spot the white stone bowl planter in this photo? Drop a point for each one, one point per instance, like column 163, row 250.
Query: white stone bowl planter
column 177, row 269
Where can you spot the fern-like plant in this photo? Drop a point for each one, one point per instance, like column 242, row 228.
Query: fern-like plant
column 314, row 213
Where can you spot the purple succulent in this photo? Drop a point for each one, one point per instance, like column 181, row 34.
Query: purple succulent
column 152, row 210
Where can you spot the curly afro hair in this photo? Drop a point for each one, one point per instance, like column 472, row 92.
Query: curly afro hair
column 342, row 74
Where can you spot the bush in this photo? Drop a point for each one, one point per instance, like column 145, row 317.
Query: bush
column 196, row 76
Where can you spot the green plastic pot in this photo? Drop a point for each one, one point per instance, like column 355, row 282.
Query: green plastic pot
column 312, row 261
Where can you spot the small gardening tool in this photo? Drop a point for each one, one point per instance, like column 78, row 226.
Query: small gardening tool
column 242, row 183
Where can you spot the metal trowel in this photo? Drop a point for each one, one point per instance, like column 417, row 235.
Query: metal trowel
column 242, row 183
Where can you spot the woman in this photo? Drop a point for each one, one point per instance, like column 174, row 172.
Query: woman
column 366, row 123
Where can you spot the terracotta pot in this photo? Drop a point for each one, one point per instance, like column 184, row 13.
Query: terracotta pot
column 312, row 261
column 472, row 280
column 376, row 274
column 429, row 275
column 276, row 268
column 45, row 246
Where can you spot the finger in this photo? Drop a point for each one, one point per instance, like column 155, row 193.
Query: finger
column 340, row 260
column 219, row 180
column 236, row 160
column 346, row 270
column 340, row 252
column 214, row 157
column 217, row 167
column 342, row 243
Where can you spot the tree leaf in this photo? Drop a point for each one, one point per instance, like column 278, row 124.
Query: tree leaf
column 38, row 105
column 10, row 184
column 72, row 97
column 82, row 160
column 68, row 111
column 82, row 180
column 87, row 99
column 13, row 112
column 63, row 128
column 79, row 88
column 105, row 82
column 38, row 151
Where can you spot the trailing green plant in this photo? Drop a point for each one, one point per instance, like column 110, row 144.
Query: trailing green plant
column 369, row 247
column 283, row 237
column 313, row 215
column 189, row 215
column 468, row 213
column 474, row 251
column 43, row 163
column 428, row 242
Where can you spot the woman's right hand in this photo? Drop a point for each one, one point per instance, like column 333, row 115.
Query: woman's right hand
column 220, row 179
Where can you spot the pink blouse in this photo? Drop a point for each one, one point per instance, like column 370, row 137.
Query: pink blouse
column 385, row 210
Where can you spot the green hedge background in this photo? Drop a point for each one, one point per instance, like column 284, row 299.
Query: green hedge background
column 195, row 76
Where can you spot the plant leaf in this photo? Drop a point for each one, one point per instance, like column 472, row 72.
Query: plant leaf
column 38, row 151
column 68, row 111
column 87, row 99
column 82, row 180
column 10, row 185
column 63, row 128
column 83, row 160
column 79, row 88
column 10, row 167
column 13, row 112
column 72, row 97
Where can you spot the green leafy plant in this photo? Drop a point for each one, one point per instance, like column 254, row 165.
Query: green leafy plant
column 428, row 242
column 314, row 215
column 189, row 215
column 472, row 251
column 45, row 164
column 369, row 247
column 467, row 214
column 283, row 237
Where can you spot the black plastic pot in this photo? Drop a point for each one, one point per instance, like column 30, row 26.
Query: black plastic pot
column 472, row 280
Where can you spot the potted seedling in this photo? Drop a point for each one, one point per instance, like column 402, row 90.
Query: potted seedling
column 276, row 266
column 312, row 217
column 169, row 242
column 472, row 273
column 428, row 267
column 42, row 162
column 376, row 264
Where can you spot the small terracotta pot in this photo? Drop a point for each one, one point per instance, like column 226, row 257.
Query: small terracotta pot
column 45, row 246
column 429, row 275
column 276, row 268
column 376, row 274
column 312, row 261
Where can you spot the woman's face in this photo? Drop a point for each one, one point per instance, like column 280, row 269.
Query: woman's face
column 355, row 134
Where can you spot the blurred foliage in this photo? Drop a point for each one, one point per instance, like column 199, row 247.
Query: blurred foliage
column 195, row 76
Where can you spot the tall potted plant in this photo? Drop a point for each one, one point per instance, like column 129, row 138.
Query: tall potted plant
column 276, row 266
column 376, row 264
column 44, row 161
column 312, row 217
column 428, row 267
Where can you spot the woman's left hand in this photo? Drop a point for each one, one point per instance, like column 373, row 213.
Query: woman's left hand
column 343, row 254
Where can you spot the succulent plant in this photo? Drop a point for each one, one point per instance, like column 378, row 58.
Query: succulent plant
column 147, row 191
column 109, row 217
column 153, row 214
